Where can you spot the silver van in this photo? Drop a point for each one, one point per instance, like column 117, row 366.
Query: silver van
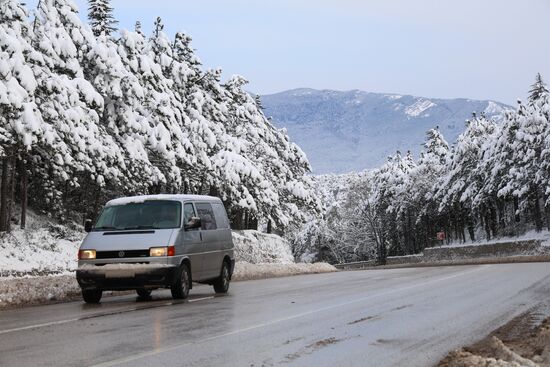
column 156, row 241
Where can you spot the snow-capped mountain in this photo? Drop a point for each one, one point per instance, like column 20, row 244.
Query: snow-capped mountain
column 350, row 131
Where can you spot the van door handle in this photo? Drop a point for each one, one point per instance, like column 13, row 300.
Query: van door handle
column 200, row 232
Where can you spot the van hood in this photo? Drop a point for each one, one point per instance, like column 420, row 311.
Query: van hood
column 127, row 240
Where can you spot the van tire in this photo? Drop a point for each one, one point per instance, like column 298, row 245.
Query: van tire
column 92, row 295
column 221, row 284
column 182, row 283
column 143, row 293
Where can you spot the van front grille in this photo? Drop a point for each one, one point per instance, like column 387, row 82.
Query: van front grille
column 121, row 254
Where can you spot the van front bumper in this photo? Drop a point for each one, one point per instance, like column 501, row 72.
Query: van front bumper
column 125, row 276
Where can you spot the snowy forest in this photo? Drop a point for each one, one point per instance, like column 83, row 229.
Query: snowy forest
column 494, row 181
column 89, row 113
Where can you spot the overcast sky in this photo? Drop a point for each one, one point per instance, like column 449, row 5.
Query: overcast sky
column 481, row 49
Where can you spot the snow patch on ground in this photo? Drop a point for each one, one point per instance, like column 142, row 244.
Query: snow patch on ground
column 37, row 290
column 247, row 271
column 256, row 247
column 43, row 247
column 493, row 108
column 418, row 107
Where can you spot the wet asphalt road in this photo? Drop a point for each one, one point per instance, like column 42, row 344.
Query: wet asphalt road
column 396, row 317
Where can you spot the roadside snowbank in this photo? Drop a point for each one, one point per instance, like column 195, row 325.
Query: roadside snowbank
column 256, row 247
column 38, row 290
column 525, row 347
column 247, row 271
column 57, row 288
column 43, row 247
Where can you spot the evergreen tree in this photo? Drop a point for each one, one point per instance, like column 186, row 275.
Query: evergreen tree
column 538, row 89
column 100, row 14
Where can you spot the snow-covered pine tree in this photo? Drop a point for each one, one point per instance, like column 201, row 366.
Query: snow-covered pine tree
column 423, row 184
column 21, row 126
column 100, row 15
column 460, row 187
column 167, row 113
column 391, row 201
column 123, row 115
column 538, row 89
column 281, row 163
column 86, row 153
column 541, row 109
column 533, row 128
column 138, row 30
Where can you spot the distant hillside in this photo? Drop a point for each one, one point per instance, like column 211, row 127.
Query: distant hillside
column 350, row 131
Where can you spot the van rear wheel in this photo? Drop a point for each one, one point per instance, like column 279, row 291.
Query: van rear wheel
column 221, row 284
column 182, row 283
column 92, row 295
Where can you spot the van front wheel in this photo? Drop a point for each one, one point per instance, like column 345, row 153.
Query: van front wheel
column 182, row 283
column 92, row 295
column 221, row 284
column 143, row 293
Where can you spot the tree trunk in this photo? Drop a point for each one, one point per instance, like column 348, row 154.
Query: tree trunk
column 11, row 205
column 547, row 215
column 516, row 209
column 24, row 192
column 238, row 220
column 213, row 191
column 4, row 195
column 493, row 221
column 246, row 219
column 253, row 222
column 471, row 228
column 269, row 226
column 537, row 212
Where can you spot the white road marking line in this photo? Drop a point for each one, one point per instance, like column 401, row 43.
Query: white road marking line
column 38, row 326
column 135, row 357
column 200, row 299
column 61, row 322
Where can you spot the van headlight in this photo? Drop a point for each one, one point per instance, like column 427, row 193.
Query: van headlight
column 86, row 254
column 162, row 251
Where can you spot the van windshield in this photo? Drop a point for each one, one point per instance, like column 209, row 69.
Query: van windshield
column 152, row 214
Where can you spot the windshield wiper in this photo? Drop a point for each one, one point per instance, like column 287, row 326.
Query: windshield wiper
column 139, row 227
column 104, row 228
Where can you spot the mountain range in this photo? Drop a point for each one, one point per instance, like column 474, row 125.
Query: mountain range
column 354, row 130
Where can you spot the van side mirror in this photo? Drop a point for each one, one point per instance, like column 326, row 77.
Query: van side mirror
column 193, row 223
column 88, row 225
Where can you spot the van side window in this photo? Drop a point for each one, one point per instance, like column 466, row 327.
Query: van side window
column 221, row 216
column 188, row 212
column 206, row 214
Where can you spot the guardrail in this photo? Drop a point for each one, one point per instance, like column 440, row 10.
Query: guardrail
column 490, row 253
column 356, row 265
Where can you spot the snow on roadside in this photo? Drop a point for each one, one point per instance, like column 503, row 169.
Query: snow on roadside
column 37, row 290
column 257, row 247
column 57, row 288
column 543, row 236
column 247, row 271
column 43, row 247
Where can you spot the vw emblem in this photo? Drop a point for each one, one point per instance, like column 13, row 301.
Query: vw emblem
column 121, row 254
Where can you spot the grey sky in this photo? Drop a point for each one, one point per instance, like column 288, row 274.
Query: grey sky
column 486, row 49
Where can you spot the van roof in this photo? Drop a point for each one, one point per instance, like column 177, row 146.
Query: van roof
column 174, row 197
